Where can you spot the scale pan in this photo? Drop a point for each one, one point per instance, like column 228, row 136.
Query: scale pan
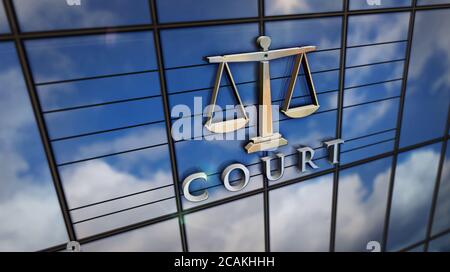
column 300, row 112
column 227, row 126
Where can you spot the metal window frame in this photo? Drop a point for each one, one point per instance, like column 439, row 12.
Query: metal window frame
column 18, row 37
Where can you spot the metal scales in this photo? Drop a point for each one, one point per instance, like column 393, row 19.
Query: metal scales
column 266, row 138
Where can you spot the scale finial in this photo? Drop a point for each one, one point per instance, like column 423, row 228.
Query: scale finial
column 264, row 42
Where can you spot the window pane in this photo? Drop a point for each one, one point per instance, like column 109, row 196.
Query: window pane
column 411, row 200
column 54, row 14
column 300, row 216
column 377, row 28
column 201, row 10
column 284, row 7
column 162, row 237
column 428, row 90
column 441, row 244
column 237, row 226
column 4, row 26
column 375, row 4
column 27, row 195
column 442, row 212
column 146, row 189
column 362, row 200
column 81, row 57
column 215, row 40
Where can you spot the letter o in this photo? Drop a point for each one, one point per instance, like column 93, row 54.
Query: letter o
column 242, row 183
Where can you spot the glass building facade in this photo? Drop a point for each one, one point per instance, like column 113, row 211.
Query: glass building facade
column 87, row 94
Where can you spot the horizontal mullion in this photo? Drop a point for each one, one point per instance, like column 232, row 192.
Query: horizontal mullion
column 120, row 197
column 104, row 131
column 110, row 155
column 149, row 26
column 101, row 104
column 123, row 210
column 94, row 77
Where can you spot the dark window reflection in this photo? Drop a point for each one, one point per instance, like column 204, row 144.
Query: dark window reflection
column 285, row 7
column 300, row 216
column 427, row 96
column 159, row 237
column 4, row 26
column 441, row 244
column 362, row 200
column 411, row 200
column 442, row 212
column 431, row 2
column 69, row 14
column 200, row 10
column 376, row 4
column 29, row 211
column 237, row 226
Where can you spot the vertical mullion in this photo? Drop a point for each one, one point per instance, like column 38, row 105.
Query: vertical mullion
column 265, row 153
column 438, row 183
column 339, row 123
column 399, row 125
column 171, row 145
column 34, row 99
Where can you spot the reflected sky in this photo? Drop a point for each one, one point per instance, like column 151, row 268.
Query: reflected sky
column 377, row 28
column 411, row 200
column 46, row 14
column 362, row 200
column 170, row 11
column 4, row 26
column 87, row 56
column 442, row 212
column 285, row 7
column 160, row 237
column 300, row 216
column 428, row 90
column 234, row 227
column 27, row 195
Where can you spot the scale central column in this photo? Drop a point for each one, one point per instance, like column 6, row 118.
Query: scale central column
column 265, row 108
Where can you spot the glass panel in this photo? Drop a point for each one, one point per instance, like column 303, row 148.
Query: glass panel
column 291, row 33
column 362, row 200
column 284, row 7
column 441, row 244
column 431, row 2
column 237, row 226
column 411, row 200
column 377, row 28
column 200, row 10
column 216, row 40
column 375, row 4
column 91, row 56
column 427, row 95
column 160, row 237
column 300, row 216
column 27, row 195
column 442, row 212
column 55, row 14
column 4, row 26
column 146, row 189
column 96, row 91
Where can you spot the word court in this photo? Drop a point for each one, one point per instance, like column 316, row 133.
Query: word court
column 305, row 160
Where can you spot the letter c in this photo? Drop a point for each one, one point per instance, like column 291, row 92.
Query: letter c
column 186, row 184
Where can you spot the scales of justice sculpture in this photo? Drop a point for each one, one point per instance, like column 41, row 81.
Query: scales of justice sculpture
column 266, row 139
